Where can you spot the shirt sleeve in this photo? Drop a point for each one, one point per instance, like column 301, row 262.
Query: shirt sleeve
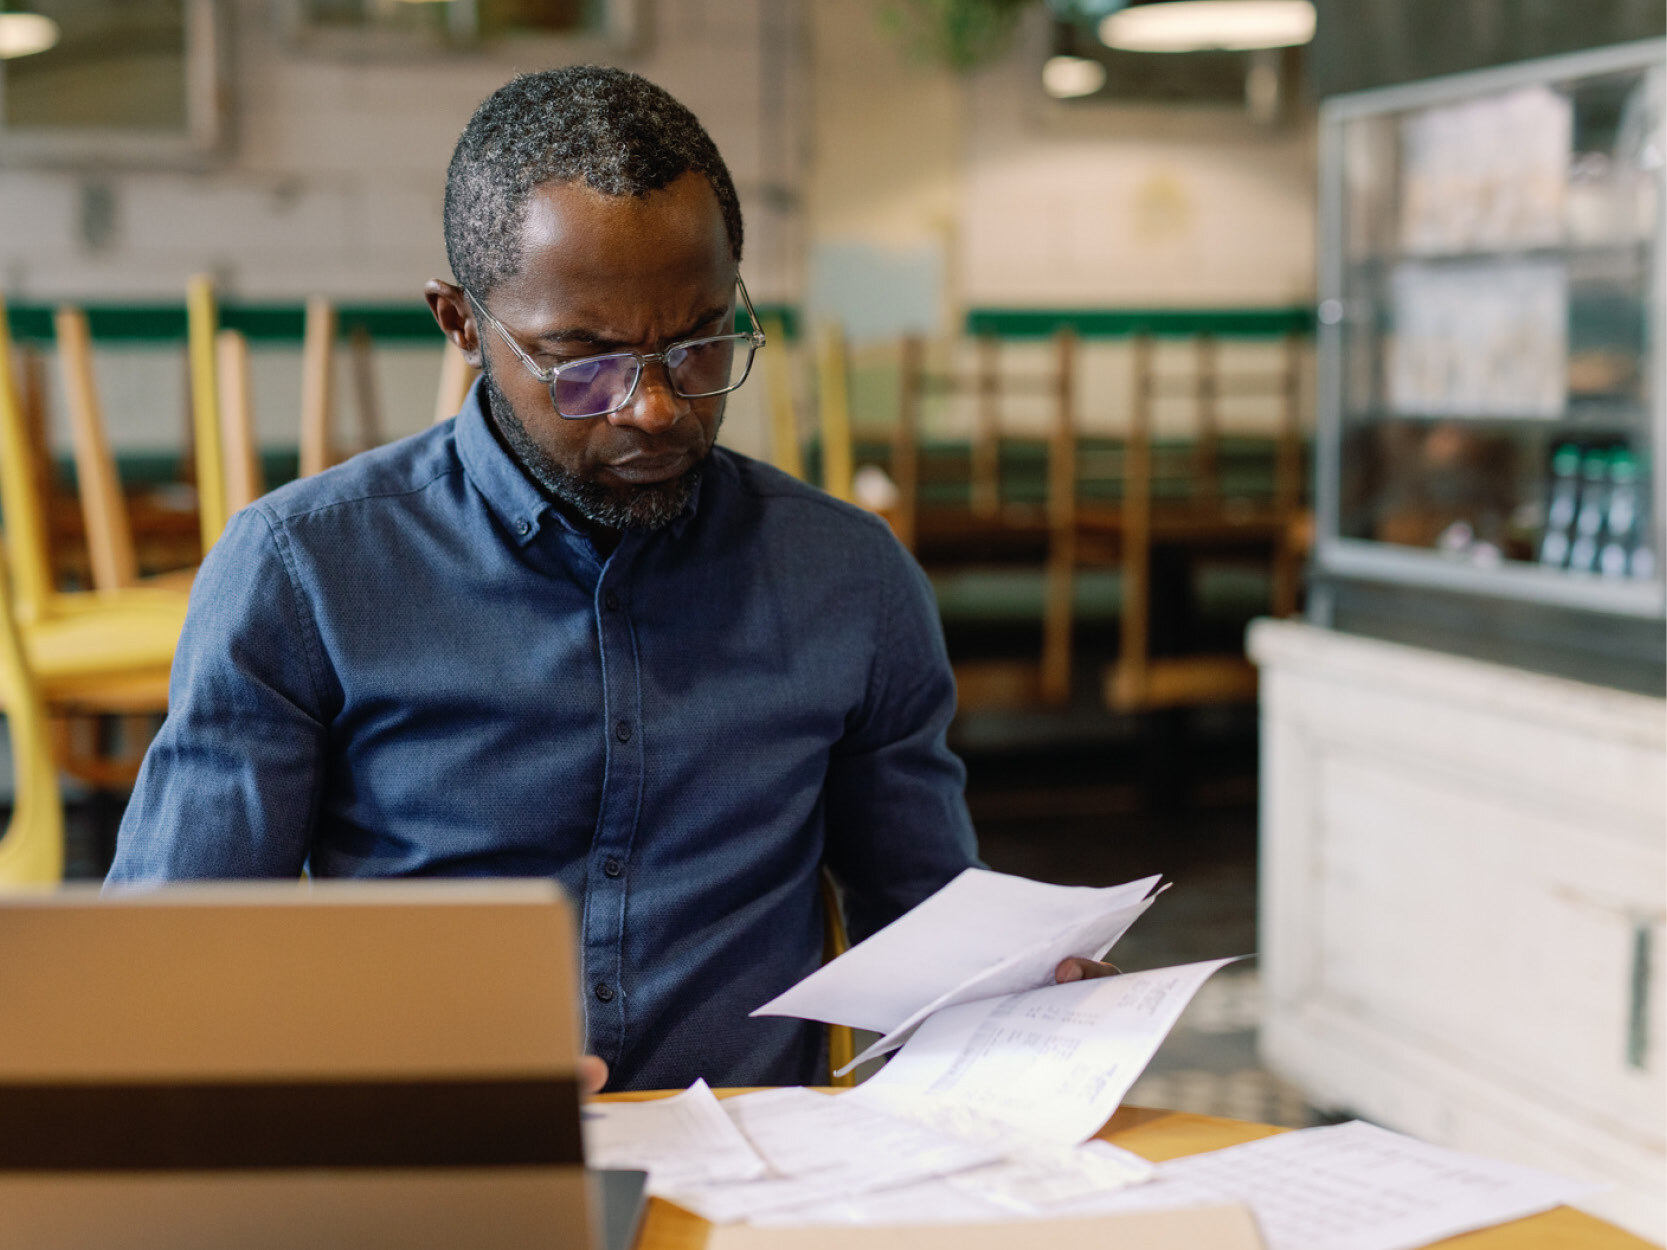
column 230, row 786
column 897, row 822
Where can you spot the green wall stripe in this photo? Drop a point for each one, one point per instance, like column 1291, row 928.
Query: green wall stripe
column 412, row 323
column 1095, row 323
column 267, row 323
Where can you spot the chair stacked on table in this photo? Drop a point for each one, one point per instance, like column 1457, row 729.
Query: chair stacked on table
column 1149, row 513
column 84, row 673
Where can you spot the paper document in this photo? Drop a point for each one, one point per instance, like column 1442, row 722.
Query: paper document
column 1050, row 1065
column 1350, row 1187
column 1218, row 1228
column 821, row 1148
column 982, row 935
column 679, row 1141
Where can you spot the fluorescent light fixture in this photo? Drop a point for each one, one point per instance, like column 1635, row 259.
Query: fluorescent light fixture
column 1209, row 25
column 24, row 34
column 1067, row 76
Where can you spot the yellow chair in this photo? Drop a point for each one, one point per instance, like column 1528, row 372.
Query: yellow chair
column 110, row 546
column 785, row 452
column 32, row 849
column 202, row 329
column 91, row 652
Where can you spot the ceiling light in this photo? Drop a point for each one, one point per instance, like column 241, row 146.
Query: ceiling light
column 1067, row 76
column 1209, row 25
column 24, row 34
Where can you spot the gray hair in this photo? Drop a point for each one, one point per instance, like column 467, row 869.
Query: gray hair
column 611, row 130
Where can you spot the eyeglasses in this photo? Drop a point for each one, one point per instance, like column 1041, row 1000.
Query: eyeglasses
column 595, row 386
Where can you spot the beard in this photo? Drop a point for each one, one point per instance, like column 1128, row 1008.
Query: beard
column 647, row 507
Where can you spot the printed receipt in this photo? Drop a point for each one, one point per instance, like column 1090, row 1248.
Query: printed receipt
column 1050, row 1065
column 1350, row 1187
column 679, row 1141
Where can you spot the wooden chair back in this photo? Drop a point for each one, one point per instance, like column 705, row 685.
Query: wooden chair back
column 240, row 451
column 104, row 516
column 202, row 318
column 457, row 375
column 32, row 850
column 842, row 1043
column 834, row 413
column 22, row 504
column 318, row 384
column 777, row 361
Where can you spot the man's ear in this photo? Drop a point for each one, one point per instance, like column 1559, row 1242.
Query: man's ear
column 452, row 310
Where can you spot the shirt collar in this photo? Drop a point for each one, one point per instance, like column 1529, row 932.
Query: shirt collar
column 513, row 497
column 509, row 492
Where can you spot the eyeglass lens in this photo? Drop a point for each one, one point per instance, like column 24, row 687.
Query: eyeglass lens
column 590, row 388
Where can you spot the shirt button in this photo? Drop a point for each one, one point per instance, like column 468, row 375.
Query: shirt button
column 611, row 601
column 612, row 867
column 603, row 991
column 523, row 527
column 622, row 731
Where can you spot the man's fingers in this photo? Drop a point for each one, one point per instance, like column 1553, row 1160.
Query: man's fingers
column 1078, row 969
column 593, row 1074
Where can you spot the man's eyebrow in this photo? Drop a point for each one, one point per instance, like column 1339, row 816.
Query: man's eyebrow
column 590, row 338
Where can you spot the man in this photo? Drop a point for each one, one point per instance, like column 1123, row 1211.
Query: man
column 566, row 635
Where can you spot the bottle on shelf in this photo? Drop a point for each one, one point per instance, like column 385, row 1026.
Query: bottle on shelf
column 1620, row 526
column 1594, row 507
column 1565, row 498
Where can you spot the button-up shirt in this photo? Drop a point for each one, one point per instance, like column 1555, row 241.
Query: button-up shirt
column 414, row 664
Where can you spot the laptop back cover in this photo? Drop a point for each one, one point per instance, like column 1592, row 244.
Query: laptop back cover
column 277, row 1065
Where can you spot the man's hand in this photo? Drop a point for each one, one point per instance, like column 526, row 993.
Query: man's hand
column 593, row 1074
column 1078, row 969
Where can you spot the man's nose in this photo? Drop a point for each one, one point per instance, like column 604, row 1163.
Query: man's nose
column 656, row 407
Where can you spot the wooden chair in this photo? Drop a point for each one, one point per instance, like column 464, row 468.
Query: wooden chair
column 986, row 530
column 203, row 327
column 785, row 452
column 456, row 377
column 97, row 652
column 1201, row 525
column 833, row 409
column 318, row 385
column 240, row 451
column 104, row 512
column 32, row 850
column 842, row 1045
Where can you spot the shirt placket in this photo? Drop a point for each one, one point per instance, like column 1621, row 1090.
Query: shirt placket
column 608, row 871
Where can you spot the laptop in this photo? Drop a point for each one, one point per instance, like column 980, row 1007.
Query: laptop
column 268, row 1067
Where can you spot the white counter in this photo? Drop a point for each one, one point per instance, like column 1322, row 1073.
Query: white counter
column 1463, row 894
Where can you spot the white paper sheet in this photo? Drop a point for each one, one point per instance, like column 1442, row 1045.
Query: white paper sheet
column 821, row 1148
column 1049, row 1064
column 1350, row 1187
column 679, row 1141
column 1023, row 1185
column 980, row 922
column 1029, row 969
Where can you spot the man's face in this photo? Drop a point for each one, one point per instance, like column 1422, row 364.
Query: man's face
column 605, row 273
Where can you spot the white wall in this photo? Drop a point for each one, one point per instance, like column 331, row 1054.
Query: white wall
column 333, row 179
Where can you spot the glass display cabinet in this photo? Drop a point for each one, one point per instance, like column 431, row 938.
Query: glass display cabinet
column 1490, row 341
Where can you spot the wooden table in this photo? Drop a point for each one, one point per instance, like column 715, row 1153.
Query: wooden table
column 1159, row 1135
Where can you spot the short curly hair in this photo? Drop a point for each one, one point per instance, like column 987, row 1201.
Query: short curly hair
column 612, row 130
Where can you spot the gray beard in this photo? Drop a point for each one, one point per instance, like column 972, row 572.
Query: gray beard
column 646, row 508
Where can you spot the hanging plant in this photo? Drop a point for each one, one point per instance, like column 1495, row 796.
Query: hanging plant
column 961, row 34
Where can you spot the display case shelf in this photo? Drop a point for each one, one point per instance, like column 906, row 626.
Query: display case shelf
column 1490, row 335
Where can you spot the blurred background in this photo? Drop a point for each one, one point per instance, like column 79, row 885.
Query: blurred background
column 1270, row 388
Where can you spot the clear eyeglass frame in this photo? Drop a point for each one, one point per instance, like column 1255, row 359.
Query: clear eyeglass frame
column 751, row 340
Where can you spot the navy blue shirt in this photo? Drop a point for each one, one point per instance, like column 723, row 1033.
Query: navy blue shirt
column 415, row 665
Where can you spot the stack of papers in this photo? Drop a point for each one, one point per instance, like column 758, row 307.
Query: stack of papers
column 989, row 1109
